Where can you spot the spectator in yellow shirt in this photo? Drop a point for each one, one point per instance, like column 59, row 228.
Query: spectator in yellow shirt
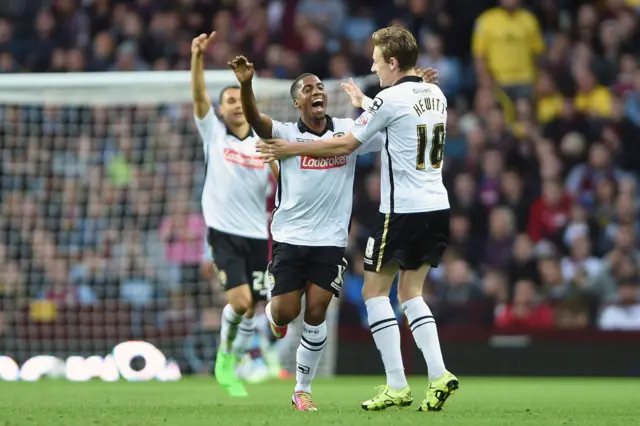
column 550, row 100
column 635, row 4
column 591, row 98
column 506, row 42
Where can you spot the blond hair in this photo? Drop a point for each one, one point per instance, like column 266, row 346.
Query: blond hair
column 397, row 42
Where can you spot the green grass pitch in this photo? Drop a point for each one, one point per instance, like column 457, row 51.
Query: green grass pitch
column 199, row 401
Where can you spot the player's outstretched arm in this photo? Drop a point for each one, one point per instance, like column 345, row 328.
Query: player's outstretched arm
column 275, row 149
column 201, row 100
column 261, row 123
column 373, row 120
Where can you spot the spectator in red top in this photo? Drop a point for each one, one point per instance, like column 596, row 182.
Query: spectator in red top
column 525, row 311
column 549, row 213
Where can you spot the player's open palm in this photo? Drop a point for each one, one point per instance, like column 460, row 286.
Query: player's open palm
column 354, row 92
column 200, row 44
column 242, row 68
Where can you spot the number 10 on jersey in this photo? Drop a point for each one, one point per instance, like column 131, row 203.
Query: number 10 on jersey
column 436, row 153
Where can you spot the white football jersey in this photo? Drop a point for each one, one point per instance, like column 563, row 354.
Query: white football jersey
column 315, row 194
column 236, row 183
column 412, row 115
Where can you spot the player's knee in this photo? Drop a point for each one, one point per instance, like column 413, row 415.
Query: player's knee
column 405, row 294
column 241, row 301
column 250, row 312
column 241, row 307
column 374, row 289
column 411, row 284
column 283, row 312
column 378, row 284
column 315, row 313
column 207, row 271
column 284, row 316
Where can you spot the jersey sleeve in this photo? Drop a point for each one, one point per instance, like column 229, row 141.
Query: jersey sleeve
column 373, row 145
column 207, row 128
column 373, row 120
column 278, row 130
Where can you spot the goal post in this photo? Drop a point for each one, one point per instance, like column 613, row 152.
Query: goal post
column 100, row 180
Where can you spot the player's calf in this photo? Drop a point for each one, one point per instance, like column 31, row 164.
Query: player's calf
column 244, row 335
column 240, row 304
column 313, row 339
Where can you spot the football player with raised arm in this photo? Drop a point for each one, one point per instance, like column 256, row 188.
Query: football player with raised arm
column 310, row 221
column 413, row 229
column 234, row 208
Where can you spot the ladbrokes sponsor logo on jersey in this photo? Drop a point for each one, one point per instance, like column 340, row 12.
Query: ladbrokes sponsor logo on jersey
column 323, row 163
column 253, row 162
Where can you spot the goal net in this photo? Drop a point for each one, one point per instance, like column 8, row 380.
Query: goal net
column 101, row 237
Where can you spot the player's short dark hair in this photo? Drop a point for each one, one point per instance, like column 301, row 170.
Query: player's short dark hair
column 397, row 42
column 294, row 86
column 224, row 90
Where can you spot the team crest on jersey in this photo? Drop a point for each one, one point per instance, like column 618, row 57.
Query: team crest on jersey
column 250, row 161
column 322, row 163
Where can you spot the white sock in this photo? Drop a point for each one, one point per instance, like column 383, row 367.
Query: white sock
column 229, row 327
column 425, row 333
column 312, row 342
column 244, row 337
column 386, row 334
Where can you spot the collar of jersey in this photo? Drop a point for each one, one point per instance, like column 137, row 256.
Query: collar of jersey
column 409, row 78
column 304, row 129
column 230, row 133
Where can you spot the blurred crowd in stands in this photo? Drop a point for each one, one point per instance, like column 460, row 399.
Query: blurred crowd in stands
column 541, row 162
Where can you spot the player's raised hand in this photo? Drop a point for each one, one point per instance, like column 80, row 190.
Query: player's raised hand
column 354, row 93
column 429, row 75
column 242, row 68
column 272, row 149
column 199, row 44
